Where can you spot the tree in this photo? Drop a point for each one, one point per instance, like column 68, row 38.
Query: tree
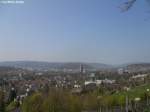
column 33, row 103
column 128, row 4
column 2, row 101
column 12, row 95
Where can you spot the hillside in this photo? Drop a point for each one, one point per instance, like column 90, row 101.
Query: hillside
column 53, row 65
column 138, row 67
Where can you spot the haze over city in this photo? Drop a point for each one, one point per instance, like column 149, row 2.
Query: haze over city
column 74, row 31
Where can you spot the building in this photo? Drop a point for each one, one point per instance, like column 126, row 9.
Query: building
column 81, row 69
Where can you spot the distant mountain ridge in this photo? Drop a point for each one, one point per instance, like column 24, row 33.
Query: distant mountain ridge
column 137, row 67
column 35, row 65
column 39, row 65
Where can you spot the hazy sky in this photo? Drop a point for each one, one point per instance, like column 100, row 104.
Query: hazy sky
column 75, row 30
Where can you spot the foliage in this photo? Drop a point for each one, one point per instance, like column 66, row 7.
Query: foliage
column 2, row 101
column 33, row 103
column 147, row 109
column 12, row 106
column 58, row 100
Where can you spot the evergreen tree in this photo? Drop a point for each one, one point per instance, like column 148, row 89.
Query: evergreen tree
column 12, row 94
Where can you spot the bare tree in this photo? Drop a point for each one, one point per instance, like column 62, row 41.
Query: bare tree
column 128, row 4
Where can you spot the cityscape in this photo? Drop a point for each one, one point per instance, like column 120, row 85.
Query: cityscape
column 108, row 89
column 74, row 56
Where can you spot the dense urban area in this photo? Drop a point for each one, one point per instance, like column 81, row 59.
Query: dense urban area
column 76, row 88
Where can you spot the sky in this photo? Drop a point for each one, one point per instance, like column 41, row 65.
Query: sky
column 75, row 31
